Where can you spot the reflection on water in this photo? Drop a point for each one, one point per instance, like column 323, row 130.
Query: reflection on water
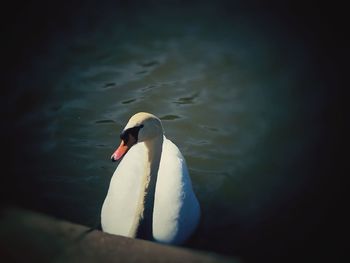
column 233, row 100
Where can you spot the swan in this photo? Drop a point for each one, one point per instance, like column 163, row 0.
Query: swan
column 150, row 195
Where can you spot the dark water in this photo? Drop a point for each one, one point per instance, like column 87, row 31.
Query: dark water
column 242, row 90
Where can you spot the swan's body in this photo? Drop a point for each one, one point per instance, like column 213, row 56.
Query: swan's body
column 150, row 194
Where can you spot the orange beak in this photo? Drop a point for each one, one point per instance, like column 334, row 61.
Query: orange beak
column 120, row 152
column 123, row 148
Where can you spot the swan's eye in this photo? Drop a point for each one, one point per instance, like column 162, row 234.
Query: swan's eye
column 134, row 132
column 124, row 136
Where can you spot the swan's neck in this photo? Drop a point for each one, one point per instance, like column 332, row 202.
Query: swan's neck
column 144, row 219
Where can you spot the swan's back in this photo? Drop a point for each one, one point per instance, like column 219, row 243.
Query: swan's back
column 176, row 209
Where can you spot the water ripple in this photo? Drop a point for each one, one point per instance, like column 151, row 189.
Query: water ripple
column 141, row 72
column 104, row 121
column 149, row 63
column 187, row 100
column 128, row 101
column 109, row 85
column 213, row 129
column 169, row 117
column 147, row 88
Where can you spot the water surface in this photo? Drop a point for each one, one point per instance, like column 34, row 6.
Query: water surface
column 233, row 92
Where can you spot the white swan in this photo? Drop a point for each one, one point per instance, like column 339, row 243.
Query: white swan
column 150, row 194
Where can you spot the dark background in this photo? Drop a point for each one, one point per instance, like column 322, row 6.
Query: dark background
column 318, row 214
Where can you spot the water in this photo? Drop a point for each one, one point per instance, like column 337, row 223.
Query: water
column 233, row 92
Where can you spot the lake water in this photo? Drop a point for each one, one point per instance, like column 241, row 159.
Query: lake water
column 236, row 91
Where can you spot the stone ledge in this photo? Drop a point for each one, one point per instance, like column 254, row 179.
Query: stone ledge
column 27, row 236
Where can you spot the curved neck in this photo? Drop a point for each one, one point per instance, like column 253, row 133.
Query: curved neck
column 143, row 227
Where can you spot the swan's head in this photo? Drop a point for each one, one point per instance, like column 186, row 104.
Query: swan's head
column 141, row 127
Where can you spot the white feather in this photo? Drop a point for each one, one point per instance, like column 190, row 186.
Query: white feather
column 176, row 210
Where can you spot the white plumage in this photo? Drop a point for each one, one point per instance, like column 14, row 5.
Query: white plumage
column 176, row 210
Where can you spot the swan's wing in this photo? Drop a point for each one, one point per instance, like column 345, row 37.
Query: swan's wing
column 120, row 206
column 176, row 209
